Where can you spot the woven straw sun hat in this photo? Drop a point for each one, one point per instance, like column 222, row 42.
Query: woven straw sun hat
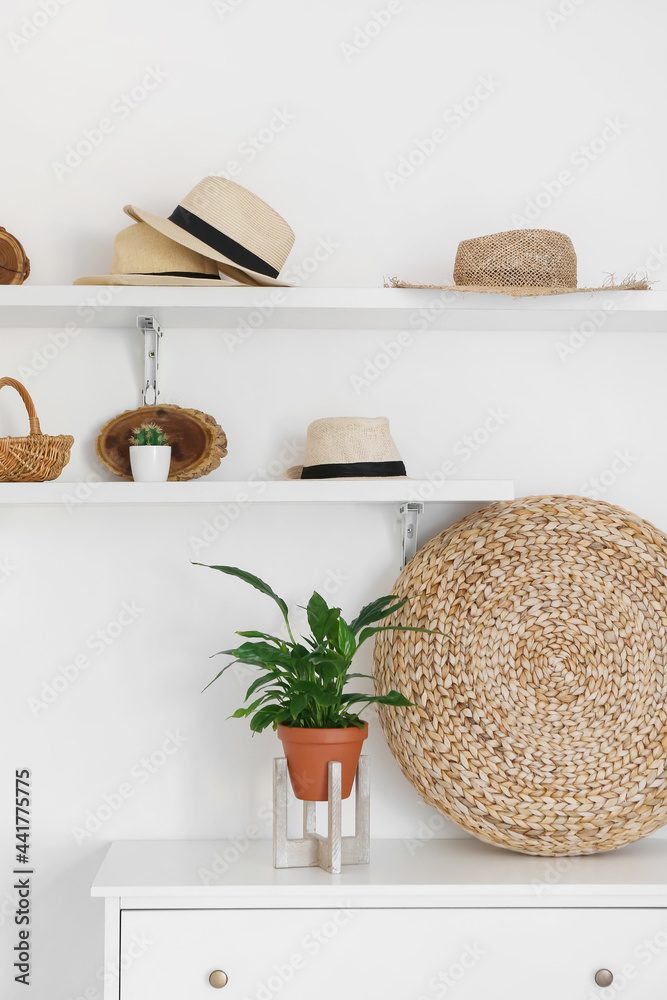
column 520, row 262
column 228, row 224
column 142, row 256
column 349, row 448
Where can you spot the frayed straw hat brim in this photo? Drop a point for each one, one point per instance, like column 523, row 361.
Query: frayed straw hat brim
column 174, row 232
column 630, row 284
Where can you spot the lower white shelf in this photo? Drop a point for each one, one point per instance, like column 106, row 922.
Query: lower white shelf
column 380, row 491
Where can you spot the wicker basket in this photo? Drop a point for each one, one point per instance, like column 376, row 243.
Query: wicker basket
column 36, row 458
column 540, row 725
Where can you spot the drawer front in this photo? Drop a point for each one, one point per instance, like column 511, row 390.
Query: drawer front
column 399, row 954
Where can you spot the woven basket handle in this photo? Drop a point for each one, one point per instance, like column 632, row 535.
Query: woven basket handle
column 27, row 399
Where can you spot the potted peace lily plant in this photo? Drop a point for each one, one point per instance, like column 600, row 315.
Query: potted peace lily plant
column 150, row 454
column 300, row 689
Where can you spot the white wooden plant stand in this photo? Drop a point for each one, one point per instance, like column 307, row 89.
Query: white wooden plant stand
column 334, row 850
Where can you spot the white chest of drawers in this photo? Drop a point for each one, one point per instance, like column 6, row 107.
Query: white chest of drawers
column 424, row 921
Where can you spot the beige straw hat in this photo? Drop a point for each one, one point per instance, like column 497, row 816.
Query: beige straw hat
column 229, row 224
column 349, row 448
column 143, row 256
column 521, row 262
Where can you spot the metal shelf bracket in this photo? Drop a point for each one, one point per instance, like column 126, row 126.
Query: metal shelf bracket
column 409, row 525
column 152, row 332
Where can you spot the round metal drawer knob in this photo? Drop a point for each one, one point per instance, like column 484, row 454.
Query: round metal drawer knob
column 218, row 979
column 603, row 977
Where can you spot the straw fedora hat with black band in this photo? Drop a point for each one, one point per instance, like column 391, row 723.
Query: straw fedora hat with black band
column 143, row 256
column 225, row 222
column 349, row 448
column 521, row 262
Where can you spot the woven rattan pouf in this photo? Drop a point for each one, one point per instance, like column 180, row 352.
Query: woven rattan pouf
column 541, row 724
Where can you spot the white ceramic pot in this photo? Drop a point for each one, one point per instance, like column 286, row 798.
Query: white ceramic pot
column 150, row 462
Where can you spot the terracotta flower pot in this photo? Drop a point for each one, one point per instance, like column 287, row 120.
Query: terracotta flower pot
column 309, row 751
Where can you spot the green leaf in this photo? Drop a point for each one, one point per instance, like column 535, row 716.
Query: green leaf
column 255, row 582
column 375, row 611
column 241, row 713
column 320, row 616
column 219, row 674
column 345, row 640
column 259, row 682
column 327, row 670
column 297, row 704
column 270, row 715
column 368, row 632
column 391, row 698
column 262, row 635
column 261, row 654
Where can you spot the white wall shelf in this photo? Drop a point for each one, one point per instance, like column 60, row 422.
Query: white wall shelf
column 43, row 306
column 381, row 491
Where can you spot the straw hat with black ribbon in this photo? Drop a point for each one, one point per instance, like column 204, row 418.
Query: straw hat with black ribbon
column 142, row 256
column 521, row 262
column 230, row 225
column 349, row 448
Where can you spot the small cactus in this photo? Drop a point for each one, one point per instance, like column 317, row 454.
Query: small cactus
column 148, row 434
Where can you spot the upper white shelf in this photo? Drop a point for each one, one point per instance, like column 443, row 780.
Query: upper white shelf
column 379, row 491
column 434, row 873
column 410, row 309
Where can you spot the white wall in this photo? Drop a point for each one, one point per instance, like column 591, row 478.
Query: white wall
column 227, row 68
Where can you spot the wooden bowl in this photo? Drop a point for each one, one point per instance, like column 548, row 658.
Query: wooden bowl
column 14, row 265
column 197, row 442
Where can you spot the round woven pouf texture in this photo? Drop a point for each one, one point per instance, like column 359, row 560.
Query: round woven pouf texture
column 540, row 725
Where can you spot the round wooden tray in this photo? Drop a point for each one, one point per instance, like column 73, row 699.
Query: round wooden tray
column 14, row 265
column 197, row 442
